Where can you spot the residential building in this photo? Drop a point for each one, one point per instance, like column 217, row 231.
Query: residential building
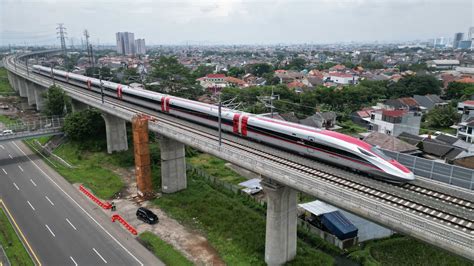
column 325, row 120
column 466, row 109
column 443, row 64
column 394, row 122
column 125, row 43
column 341, row 78
column 391, row 143
column 466, row 130
column 429, row 101
column 213, row 81
column 140, row 47
column 406, row 103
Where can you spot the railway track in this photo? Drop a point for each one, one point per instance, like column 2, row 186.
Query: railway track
column 449, row 219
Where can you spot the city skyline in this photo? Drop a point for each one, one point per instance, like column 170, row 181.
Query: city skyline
column 235, row 22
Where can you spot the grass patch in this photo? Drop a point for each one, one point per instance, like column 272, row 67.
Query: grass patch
column 404, row 251
column 216, row 168
column 43, row 140
column 7, row 120
column 12, row 245
column 235, row 230
column 5, row 87
column 164, row 251
column 89, row 169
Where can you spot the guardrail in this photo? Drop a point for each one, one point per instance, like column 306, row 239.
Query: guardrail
column 130, row 228
column 446, row 173
column 104, row 205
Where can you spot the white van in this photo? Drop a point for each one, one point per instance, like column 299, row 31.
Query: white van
column 7, row 132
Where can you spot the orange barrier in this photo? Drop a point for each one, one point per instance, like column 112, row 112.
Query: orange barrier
column 105, row 205
column 127, row 225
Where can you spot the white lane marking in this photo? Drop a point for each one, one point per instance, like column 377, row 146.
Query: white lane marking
column 2, row 146
column 80, row 207
column 98, row 254
column 11, row 157
column 50, row 230
column 75, row 263
column 49, row 200
column 17, row 188
column 33, row 182
column 30, row 205
column 4, row 171
column 20, row 168
column 71, row 224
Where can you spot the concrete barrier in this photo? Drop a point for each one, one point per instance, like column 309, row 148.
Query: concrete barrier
column 130, row 228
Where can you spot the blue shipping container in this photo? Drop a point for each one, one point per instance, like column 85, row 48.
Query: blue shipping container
column 338, row 225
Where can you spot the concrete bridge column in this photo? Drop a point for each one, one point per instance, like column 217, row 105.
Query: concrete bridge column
column 280, row 236
column 11, row 80
column 30, row 92
column 173, row 166
column 38, row 90
column 116, row 133
column 21, row 83
column 78, row 106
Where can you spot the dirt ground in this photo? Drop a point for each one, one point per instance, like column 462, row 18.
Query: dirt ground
column 190, row 242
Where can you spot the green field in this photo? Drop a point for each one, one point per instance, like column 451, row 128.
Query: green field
column 216, row 167
column 7, row 120
column 236, row 231
column 5, row 87
column 164, row 251
column 10, row 242
column 404, row 251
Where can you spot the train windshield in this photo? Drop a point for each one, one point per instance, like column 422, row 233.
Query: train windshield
column 380, row 153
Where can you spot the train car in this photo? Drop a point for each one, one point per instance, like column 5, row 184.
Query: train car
column 329, row 146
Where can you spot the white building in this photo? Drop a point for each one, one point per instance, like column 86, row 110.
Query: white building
column 140, row 47
column 213, row 81
column 125, row 43
column 466, row 109
column 443, row 64
column 341, row 78
column 394, row 122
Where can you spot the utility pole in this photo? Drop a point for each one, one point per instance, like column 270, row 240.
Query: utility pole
column 220, row 120
column 61, row 31
column 88, row 47
column 268, row 101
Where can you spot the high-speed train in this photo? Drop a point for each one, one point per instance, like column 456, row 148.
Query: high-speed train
column 329, row 146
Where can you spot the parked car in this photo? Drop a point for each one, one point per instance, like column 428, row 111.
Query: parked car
column 147, row 216
column 7, row 132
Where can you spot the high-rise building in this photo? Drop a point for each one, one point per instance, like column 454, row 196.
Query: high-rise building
column 140, row 47
column 125, row 43
column 470, row 34
column 457, row 38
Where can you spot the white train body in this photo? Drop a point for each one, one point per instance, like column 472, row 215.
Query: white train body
column 329, row 146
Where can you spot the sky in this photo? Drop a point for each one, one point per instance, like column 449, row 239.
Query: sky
column 234, row 21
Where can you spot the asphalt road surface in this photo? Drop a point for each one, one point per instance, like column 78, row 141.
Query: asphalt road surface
column 62, row 226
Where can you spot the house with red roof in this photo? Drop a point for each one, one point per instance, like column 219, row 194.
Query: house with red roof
column 212, row 81
column 389, row 121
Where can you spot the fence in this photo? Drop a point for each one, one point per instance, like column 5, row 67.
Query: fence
column 451, row 174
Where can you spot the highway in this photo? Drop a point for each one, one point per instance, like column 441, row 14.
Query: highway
column 60, row 224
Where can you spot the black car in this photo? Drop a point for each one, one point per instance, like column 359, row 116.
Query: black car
column 146, row 215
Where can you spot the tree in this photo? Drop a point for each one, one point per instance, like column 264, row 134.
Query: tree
column 54, row 101
column 84, row 125
column 202, row 70
column 458, row 90
column 260, row 69
column 411, row 85
column 236, row 72
column 297, row 64
column 442, row 117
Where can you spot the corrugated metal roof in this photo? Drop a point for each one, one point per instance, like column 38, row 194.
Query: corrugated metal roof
column 317, row 207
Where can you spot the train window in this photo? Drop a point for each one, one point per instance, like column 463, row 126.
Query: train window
column 380, row 153
column 366, row 153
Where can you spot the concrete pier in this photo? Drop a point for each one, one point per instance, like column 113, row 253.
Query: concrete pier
column 173, row 165
column 116, row 132
column 39, row 90
column 30, row 92
column 22, row 87
column 280, row 236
